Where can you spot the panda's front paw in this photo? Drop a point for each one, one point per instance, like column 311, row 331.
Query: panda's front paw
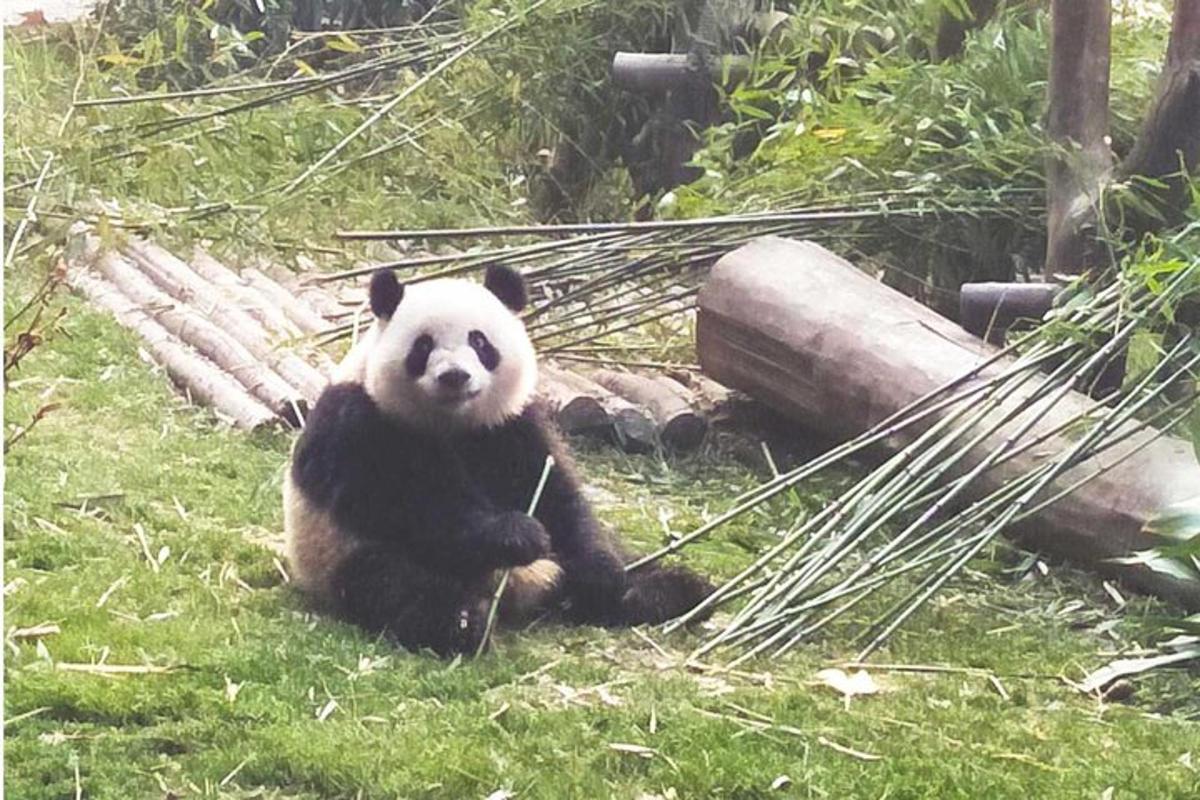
column 518, row 539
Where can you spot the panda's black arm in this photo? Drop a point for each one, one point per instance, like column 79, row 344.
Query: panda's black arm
column 576, row 535
column 387, row 484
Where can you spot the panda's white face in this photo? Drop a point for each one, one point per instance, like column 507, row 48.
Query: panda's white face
column 450, row 356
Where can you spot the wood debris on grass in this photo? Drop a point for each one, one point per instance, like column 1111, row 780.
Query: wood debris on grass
column 243, row 343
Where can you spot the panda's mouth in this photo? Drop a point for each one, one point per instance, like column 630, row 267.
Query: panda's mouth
column 456, row 398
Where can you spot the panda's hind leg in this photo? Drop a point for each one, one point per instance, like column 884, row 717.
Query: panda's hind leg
column 657, row 594
column 416, row 607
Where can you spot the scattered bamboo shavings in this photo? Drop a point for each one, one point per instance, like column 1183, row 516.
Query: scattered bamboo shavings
column 36, row 631
column 999, row 687
column 641, row 751
column 499, row 712
column 141, row 536
column 848, row 685
column 849, row 751
column 26, row 715
column 233, row 772
column 326, row 710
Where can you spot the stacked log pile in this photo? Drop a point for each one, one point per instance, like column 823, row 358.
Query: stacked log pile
column 242, row 344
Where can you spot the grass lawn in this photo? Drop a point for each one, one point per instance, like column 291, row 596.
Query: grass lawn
column 139, row 527
column 265, row 699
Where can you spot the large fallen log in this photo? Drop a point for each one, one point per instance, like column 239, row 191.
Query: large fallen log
column 804, row 331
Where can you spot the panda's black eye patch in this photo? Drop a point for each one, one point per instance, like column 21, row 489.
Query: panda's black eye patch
column 418, row 357
column 489, row 356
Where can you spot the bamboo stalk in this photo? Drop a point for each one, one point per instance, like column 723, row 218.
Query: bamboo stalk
column 503, row 584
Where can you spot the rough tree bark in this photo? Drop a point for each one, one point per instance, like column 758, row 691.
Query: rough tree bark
column 1081, row 165
column 1168, row 145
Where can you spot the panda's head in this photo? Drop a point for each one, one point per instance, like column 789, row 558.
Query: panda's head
column 450, row 354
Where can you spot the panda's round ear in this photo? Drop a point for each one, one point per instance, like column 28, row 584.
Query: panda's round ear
column 385, row 293
column 508, row 285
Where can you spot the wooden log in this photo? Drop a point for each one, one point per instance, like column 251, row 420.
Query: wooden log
column 629, row 425
column 783, row 321
column 679, row 426
column 298, row 312
column 267, row 314
column 988, row 310
column 180, row 281
column 660, row 72
column 575, row 409
column 200, row 378
column 213, row 343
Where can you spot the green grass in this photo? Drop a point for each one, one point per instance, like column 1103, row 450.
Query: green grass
column 530, row 717
column 240, row 713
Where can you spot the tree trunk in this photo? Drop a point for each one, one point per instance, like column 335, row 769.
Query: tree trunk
column 1168, row 146
column 1078, row 126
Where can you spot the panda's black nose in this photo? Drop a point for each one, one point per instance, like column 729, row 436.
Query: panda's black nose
column 453, row 379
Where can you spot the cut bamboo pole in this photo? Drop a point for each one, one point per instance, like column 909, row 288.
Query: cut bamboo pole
column 200, row 378
column 212, row 342
column 180, row 281
column 679, row 426
column 783, row 321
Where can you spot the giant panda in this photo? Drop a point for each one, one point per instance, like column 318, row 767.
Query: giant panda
column 406, row 494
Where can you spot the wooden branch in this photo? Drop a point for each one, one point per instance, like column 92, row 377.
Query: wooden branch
column 679, row 426
column 212, row 342
column 1078, row 125
column 200, row 378
column 181, row 282
column 783, row 321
